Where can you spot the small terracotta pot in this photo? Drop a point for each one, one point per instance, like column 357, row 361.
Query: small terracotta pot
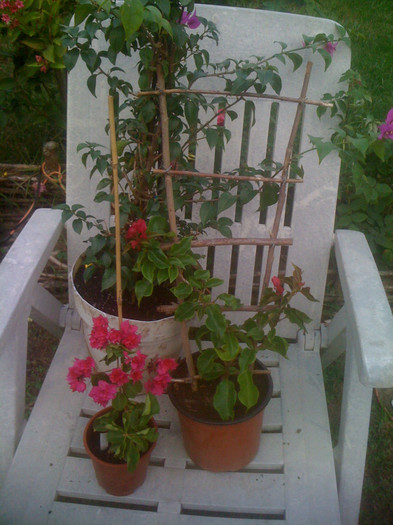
column 114, row 477
column 221, row 446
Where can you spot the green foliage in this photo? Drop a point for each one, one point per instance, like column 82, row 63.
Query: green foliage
column 365, row 192
column 230, row 360
column 127, row 427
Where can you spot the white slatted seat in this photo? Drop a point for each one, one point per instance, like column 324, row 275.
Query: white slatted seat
column 296, row 477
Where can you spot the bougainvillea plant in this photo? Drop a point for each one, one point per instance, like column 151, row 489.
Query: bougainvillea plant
column 229, row 359
column 166, row 39
column 127, row 424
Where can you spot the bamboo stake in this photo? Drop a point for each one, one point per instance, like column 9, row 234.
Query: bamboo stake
column 284, row 179
column 238, row 95
column 180, row 173
column 115, row 166
column 170, row 200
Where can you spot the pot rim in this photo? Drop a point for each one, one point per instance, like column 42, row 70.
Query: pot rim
column 72, row 273
column 101, row 461
column 253, row 411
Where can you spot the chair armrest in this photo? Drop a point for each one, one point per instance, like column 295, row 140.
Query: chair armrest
column 19, row 273
column 24, row 262
column 369, row 315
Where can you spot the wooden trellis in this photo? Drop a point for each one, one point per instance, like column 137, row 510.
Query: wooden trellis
column 283, row 180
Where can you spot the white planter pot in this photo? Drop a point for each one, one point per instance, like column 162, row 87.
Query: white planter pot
column 161, row 337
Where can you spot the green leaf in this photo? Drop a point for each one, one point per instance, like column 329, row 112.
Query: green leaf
column 143, row 288
column 77, row 226
column 182, row 290
column 297, row 60
column 119, row 402
column 207, row 212
column 158, row 257
column 89, row 56
column 361, row 144
column 246, row 358
column 225, row 201
column 186, row 311
column 148, row 270
column 81, row 12
column 327, row 57
column 191, row 112
column 158, row 224
column 116, row 38
column 229, row 300
column 225, row 399
column 91, row 84
column 269, row 195
column 230, row 349
column 323, row 148
column 215, row 320
column 131, row 16
column 248, row 392
column 108, row 279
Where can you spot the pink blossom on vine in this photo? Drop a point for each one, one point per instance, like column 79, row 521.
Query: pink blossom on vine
column 136, row 233
column 103, row 393
column 190, row 20
column 129, row 336
column 221, row 117
column 330, row 47
column 386, row 128
column 78, row 372
column 118, row 377
column 99, row 334
column 277, row 285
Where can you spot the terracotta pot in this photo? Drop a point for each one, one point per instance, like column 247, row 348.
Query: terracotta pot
column 161, row 337
column 114, row 477
column 218, row 445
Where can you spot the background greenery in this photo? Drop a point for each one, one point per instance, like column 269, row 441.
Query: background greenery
column 32, row 111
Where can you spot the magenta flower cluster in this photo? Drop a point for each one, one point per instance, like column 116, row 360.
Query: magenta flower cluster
column 386, row 129
column 8, row 9
column 133, row 365
column 190, row 20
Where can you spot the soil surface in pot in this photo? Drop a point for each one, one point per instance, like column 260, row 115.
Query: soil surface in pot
column 199, row 404
column 106, row 300
column 105, row 455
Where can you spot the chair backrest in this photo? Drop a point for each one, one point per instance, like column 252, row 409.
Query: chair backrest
column 309, row 221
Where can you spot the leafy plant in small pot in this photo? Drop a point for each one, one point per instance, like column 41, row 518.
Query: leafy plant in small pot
column 151, row 264
column 120, row 439
column 221, row 407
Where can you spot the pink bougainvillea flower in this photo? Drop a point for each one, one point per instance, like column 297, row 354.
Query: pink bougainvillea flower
column 99, row 334
column 114, row 336
column 330, row 47
column 78, row 372
column 221, row 117
column 103, row 393
column 5, row 18
column 166, row 365
column 136, row 233
column 137, row 363
column 190, row 20
column 386, row 128
column 158, row 384
column 118, row 377
column 277, row 285
column 129, row 336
